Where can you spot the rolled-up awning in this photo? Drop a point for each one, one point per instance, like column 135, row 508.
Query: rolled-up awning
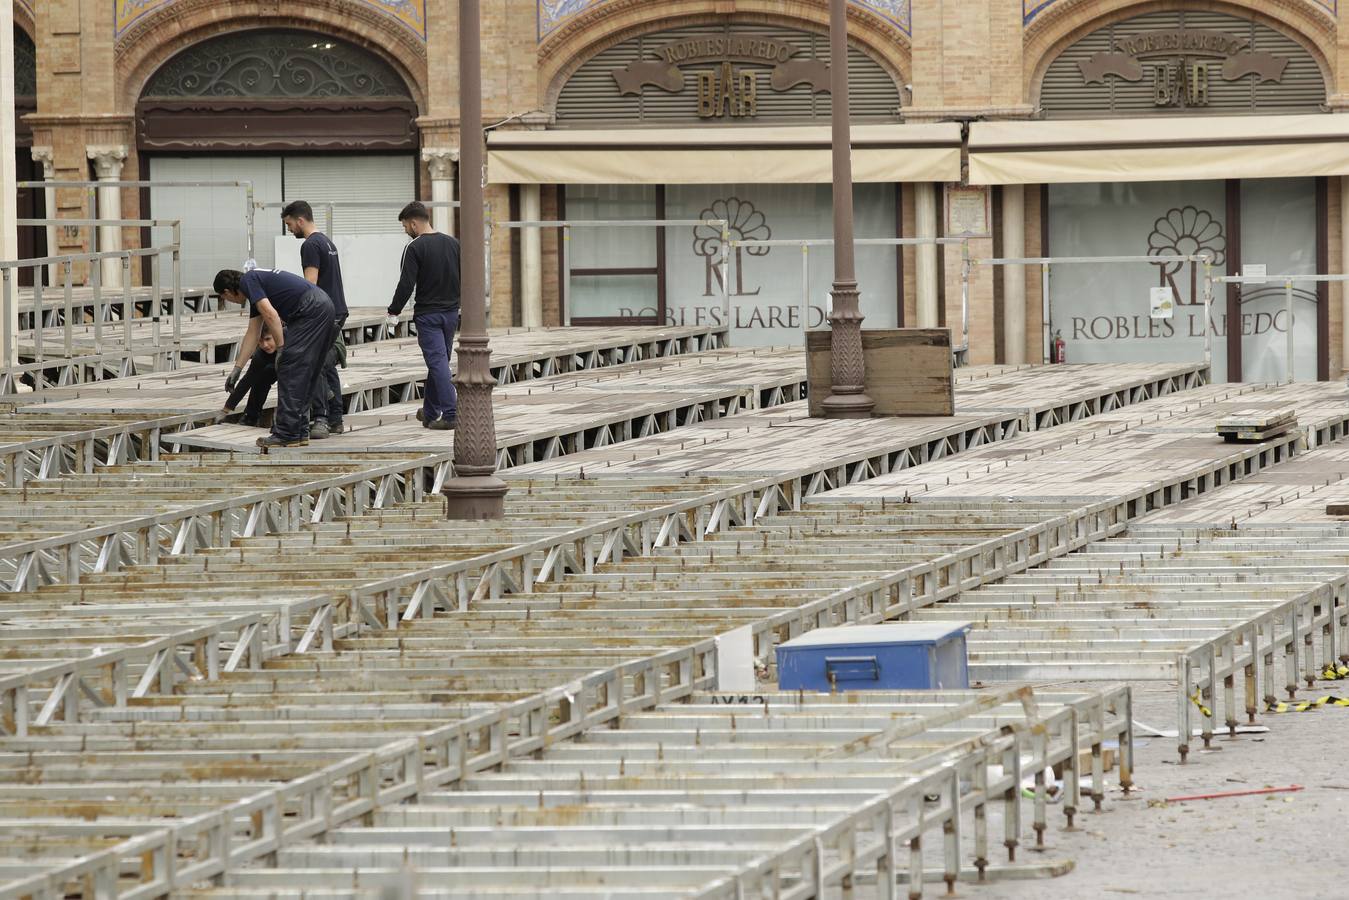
column 1192, row 148
column 708, row 155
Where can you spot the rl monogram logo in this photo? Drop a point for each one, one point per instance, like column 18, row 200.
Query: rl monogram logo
column 744, row 223
column 1186, row 231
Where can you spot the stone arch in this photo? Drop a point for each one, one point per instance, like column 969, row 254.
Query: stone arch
column 158, row 37
column 23, row 18
column 572, row 44
column 25, row 62
column 1068, row 21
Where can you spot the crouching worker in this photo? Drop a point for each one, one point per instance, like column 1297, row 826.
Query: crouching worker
column 256, row 382
column 299, row 316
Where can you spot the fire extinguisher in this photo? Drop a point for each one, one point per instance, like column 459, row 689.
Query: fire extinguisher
column 1060, row 354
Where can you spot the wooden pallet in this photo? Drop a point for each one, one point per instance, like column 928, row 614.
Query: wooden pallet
column 1256, row 426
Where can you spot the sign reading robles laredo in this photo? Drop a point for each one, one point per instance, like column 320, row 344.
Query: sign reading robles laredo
column 1194, row 61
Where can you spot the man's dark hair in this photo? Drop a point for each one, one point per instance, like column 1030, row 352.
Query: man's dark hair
column 415, row 210
column 227, row 280
column 298, row 209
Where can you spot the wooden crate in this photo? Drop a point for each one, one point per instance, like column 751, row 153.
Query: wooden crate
column 908, row 371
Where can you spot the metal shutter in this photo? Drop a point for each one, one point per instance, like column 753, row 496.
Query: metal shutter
column 387, row 178
column 1302, row 89
column 214, row 229
column 590, row 97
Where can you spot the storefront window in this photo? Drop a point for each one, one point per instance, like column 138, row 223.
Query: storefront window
column 1278, row 231
column 1103, row 311
column 603, row 284
column 767, row 286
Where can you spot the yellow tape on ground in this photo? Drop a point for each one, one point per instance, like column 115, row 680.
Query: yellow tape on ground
column 1306, row 705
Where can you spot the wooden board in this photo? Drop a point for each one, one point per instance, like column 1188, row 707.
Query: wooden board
column 909, row 371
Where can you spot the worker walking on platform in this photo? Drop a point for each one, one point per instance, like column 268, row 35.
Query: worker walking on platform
column 299, row 316
column 431, row 266
column 318, row 261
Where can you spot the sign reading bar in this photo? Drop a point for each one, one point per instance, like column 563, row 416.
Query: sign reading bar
column 1191, row 60
column 724, row 90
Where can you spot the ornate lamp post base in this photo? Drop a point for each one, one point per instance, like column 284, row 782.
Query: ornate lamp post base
column 474, row 496
column 847, row 395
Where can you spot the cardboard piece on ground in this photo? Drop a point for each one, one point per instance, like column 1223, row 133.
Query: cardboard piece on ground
column 735, row 660
column 909, row 371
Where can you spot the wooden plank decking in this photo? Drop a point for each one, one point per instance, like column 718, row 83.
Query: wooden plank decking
column 385, row 371
column 206, row 337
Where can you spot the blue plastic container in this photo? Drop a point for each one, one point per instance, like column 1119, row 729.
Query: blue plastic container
column 900, row 656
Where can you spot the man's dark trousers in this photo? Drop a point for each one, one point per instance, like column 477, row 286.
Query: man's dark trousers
column 309, row 338
column 435, row 335
column 327, row 403
column 257, row 397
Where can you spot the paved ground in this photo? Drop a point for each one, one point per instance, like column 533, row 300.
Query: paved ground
column 1270, row 847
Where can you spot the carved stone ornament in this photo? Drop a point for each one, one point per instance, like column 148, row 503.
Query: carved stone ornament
column 277, row 64
column 440, row 161
column 108, row 160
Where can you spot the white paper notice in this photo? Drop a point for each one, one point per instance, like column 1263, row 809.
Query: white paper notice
column 1163, row 302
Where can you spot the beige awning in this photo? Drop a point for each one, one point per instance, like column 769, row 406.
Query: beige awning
column 1191, row 148
column 709, row 155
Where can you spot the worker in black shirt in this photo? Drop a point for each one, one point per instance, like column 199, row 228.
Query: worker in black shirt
column 256, row 383
column 299, row 317
column 318, row 261
column 431, row 265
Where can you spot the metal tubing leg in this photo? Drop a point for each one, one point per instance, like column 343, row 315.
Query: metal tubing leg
column 1288, row 307
column 39, row 321
column 1044, row 302
column 68, row 281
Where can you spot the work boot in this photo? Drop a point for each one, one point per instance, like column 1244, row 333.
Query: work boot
column 441, row 424
column 272, row 441
column 421, row 416
column 319, row 431
column 336, row 428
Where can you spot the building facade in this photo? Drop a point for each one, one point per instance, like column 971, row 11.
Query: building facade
column 1006, row 128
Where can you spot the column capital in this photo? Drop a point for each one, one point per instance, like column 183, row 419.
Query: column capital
column 46, row 156
column 439, row 160
column 108, row 160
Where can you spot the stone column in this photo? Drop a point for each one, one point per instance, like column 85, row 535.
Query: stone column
column 441, row 160
column 925, row 226
column 1014, row 277
column 45, row 156
column 1344, row 266
column 108, row 159
column 531, row 258
column 9, row 201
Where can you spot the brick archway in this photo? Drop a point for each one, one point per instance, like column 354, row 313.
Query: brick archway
column 23, row 18
column 572, row 44
column 154, row 40
column 1068, row 21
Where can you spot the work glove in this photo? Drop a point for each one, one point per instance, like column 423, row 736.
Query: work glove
column 232, row 380
column 391, row 320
